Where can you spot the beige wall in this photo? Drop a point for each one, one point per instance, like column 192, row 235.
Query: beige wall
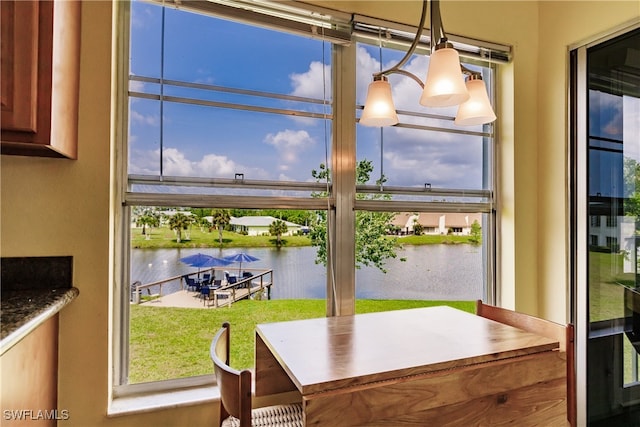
column 59, row 207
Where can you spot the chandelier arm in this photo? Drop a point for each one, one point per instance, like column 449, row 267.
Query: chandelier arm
column 466, row 71
column 412, row 48
column 408, row 74
column 436, row 26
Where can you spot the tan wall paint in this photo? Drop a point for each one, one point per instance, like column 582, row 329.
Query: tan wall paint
column 58, row 207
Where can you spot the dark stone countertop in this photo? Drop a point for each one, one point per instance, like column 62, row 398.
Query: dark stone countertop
column 21, row 311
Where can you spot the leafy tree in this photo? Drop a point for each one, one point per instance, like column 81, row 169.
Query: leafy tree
column 148, row 219
column 278, row 228
column 373, row 247
column 296, row 216
column 200, row 212
column 244, row 212
column 476, row 233
column 632, row 188
column 418, row 229
column 221, row 219
column 179, row 222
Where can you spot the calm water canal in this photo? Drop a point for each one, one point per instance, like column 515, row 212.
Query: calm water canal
column 433, row 272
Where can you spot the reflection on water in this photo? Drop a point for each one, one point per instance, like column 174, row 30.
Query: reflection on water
column 432, row 272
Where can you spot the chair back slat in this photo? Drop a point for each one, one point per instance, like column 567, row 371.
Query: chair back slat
column 546, row 328
column 234, row 385
column 565, row 335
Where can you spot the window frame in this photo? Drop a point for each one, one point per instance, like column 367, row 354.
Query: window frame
column 341, row 205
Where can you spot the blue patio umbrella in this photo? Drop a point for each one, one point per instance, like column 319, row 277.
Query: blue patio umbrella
column 201, row 260
column 241, row 257
column 196, row 260
column 216, row 262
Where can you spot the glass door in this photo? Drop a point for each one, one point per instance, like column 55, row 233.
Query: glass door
column 608, row 110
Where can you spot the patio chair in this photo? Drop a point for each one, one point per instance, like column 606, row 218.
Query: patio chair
column 561, row 333
column 235, row 393
column 205, row 294
column 191, row 283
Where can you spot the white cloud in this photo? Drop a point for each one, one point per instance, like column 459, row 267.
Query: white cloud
column 143, row 119
column 285, row 177
column 366, row 66
column 136, row 86
column 175, row 163
column 414, row 157
column 290, row 140
column 309, row 84
column 144, row 162
column 290, row 143
column 631, row 130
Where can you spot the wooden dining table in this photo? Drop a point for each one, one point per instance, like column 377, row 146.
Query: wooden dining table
column 431, row 366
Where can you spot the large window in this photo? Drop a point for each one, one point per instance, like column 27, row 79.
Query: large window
column 240, row 136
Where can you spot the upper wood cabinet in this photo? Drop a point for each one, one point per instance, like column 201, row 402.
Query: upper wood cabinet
column 40, row 52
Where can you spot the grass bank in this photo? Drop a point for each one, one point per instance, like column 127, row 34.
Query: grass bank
column 170, row 343
column 162, row 237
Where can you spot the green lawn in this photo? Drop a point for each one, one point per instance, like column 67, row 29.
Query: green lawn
column 606, row 293
column 170, row 343
column 162, row 237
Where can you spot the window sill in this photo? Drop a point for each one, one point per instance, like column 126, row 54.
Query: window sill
column 150, row 400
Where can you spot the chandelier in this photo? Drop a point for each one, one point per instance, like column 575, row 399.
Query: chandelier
column 448, row 83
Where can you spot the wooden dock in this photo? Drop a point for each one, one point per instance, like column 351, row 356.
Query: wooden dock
column 224, row 296
column 245, row 288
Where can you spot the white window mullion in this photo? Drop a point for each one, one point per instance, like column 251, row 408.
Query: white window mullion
column 342, row 255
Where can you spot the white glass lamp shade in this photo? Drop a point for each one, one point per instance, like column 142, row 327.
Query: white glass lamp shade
column 445, row 82
column 477, row 110
column 378, row 108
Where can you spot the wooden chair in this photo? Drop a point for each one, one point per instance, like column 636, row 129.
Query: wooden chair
column 235, row 393
column 563, row 334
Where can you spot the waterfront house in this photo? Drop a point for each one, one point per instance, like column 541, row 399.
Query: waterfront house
column 435, row 223
column 259, row 225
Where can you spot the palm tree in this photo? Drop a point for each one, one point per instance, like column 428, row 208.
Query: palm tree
column 179, row 222
column 278, row 228
column 220, row 219
column 148, row 219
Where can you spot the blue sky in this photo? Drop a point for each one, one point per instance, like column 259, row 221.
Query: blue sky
column 215, row 142
column 204, row 141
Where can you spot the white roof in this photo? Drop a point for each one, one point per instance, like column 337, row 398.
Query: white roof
column 258, row 221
